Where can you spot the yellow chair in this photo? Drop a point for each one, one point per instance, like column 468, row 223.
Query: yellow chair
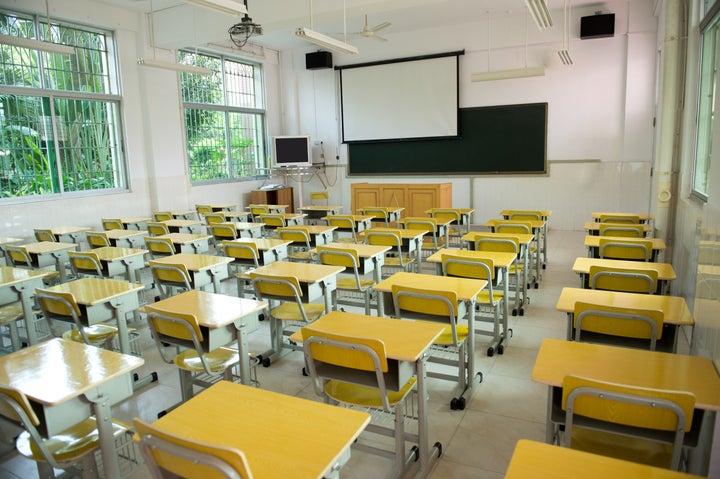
column 44, row 235
column 112, row 224
column 631, row 323
column 626, row 422
column 223, row 232
column 349, row 259
column 431, row 242
column 214, row 218
column 628, row 219
column 395, row 259
column 72, row 450
column 60, row 306
column 10, row 316
column 344, row 223
column 203, row 210
column 86, row 263
column 621, row 229
column 318, row 197
column 159, row 247
column 453, row 214
column 301, row 248
column 615, row 248
column 380, row 214
column 287, row 311
column 246, row 257
column 623, row 279
column 489, row 298
column 171, row 278
column 196, row 364
column 516, row 271
column 97, row 239
column 520, row 215
column 351, row 371
column 257, row 210
column 272, row 222
column 157, row 229
column 162, row 216
column 20, row 258
column 165, row 453
column 450, row 349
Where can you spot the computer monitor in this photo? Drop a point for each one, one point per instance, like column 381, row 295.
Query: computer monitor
column 292, row 151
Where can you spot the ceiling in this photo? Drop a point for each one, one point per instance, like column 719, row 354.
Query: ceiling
column 280, row 18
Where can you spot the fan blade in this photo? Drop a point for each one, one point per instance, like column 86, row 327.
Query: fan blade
column 378, row 37
column 380, row 26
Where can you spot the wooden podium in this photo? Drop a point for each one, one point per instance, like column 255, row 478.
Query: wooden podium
column 415, row 198
column 279, row 196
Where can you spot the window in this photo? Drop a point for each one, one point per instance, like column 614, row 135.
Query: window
column 60, row 128
column 224, row 118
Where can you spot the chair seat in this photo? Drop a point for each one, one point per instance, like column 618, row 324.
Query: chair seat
column 291, row 311
column 446, row 337
column 218, row 360
column 69, row 445
column 9, row 314
column 395, row 261
column 97, row 333
column 301, row 256
column 351, row 284
column 364, row 396
column 483, row 297
column 629, row 448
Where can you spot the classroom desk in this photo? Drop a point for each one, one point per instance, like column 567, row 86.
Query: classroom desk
column 678, row 372
column 441, row 231
column 644, row 217
column 204, row 268
column 4, row 240
column 501, row 264
column 392, row 213
column 248, row 230
column 545, row 216
column 273, row 209
column 218, row 207
column 126, row 238
column 18, row 284
column 125, row 261
column 464, row 213
column 593, row 227
column 47, row 253
column 189, row 243
column 269, row 250
column 222, row 319
column 411, row 242
column 132, row 223
column 665, row 271
column 538, row 460
column 316, row 212
column 675, row 310
column 183, row 226
column 71, row 381
column 405, row 342
column 71, row 234
column 538, row 227
column 593, row 245
column 236, row 216
column 372, row 257
column 466, row 289
column 315, row 437
column 320, row 234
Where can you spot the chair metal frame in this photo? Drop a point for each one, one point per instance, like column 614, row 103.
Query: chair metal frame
column 159, row 216
column 44, row 235
column 614, row 321
column 98, row 239
column 246, row 251
column 638, row 251
column 86, row 263
column 297, row 234
column 169, row 277
column 346, row 222
column 159, row 247
column 604, row 274
column 155, row 228
column 349, row 259
column 621, row 229
column 112, row 224
column 395, row 259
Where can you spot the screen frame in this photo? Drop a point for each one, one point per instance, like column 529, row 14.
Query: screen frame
column 283, row 164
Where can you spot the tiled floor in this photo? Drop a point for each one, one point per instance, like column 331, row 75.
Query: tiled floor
column 477, row 442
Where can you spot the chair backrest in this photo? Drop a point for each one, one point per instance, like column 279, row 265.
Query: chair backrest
column 162, row 216
column 513, row 227
column 297, row 234
column 272, row 220
column 245, row 251
column 346, row 222
column 203, row 210
column 378, row 213
column 515, row 215
column 618, row 229
column 223, row 231
column 171, row 274
column 186, row 457
column 180, row 329
column 623, row 279
column 280, row 288
column 319, row 196
column 424, row 224
column 85, row 263
column 425, row 303
column 97, row 239
column 44, row 235
column 610, row 247
column 18, row 256
column 157, row 229
column 628, row 219
column 446, row 214
column 214, row 218
column 390, row 238
column 112, row 224
column 348, row 258
column 61, row 306
column 651, row 409
column 464, row 267
column 503, row 244
column 257, row 210
column 617, row 321
column 159, row 247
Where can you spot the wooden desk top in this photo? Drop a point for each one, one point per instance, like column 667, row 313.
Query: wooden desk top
column 674, row 308
column 652, row 369
column 404, row 340
column 404, row 232
column 522, row 238
column 280, row 435
column 356, row 218
column 438, row 221
column 113, row 253
column 363, row 250
column 212, row 310
column 387, row 209
column 286, row 216
column 595, row 225
column 176, row 213
column 500, row 259
column 180, row 223
column 304, row 272
column 465, row 288
column 544, row 213
column 91, row 291
column 194, row 262
column 10, row 276
column 263, row 244
column 319, row 229
column 535, row 224
column 185, row 238
column 320, row 208
column 665, row 270
column 8, row 240
column 271, row 207
column 131, row 220
column 44, row 247
column 235, row 214
column 221, row 206
column 593, row 241
column 244, row 225
column 54, row 371
column 642, row 216
column 122, row 234
column 66, row 230
column 538, row 460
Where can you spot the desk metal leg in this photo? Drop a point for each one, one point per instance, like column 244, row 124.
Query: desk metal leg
column 427, row 455
column 25, row 299
column 244, row 355
column 103, row 416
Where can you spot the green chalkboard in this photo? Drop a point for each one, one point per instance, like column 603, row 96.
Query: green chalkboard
column 493, row 140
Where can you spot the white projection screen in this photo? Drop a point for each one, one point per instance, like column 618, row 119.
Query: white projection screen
column 400, row 99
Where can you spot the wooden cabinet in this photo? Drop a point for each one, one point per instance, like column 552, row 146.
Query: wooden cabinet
column 415, row 198
column 280, row 196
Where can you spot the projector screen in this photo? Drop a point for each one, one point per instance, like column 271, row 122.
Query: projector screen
column 400, row 99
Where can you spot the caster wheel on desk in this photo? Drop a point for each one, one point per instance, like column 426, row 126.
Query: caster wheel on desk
column 514, row 312
column 479, row 376
column 261, row 317
column 457, row 404
column 491, row 351
column 266, row 362
column 544, row 266
column 439, row 448
column 522, row 312
column 501, row 349
column 304, row 371
column 537, row 285
column 416, row 452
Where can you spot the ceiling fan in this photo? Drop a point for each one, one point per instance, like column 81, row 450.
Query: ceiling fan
column 368, row 32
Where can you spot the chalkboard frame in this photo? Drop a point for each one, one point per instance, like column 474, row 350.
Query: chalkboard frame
column 515, row 136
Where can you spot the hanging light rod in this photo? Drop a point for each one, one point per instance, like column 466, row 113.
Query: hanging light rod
column 49, row 47
column 540, row 13
column 325, row 41
column 507, row 74
column 223, row 6
column 178, row 67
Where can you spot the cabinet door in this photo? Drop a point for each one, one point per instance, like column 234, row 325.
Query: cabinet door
column 420, row 199
column 393, row 196
column 365, row 196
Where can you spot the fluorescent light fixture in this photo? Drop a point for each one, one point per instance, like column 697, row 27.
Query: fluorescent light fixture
column 223, row 6
column 507, row 74
column 540, row 13
column 178, row 67
column 325, row 41
column 49, row 47
column 565, row 57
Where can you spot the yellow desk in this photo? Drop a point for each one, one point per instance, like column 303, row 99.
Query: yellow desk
column 71, row 381
column 223, row 319
column 593, row 228
column 183, row 226
column 405, row 342
column 558, row 358
column 248, row 230
column 320, row 234
column 411, row 242
column 316, row 212
column 126, row 238
column 644, row 217
column 236, row 216
column 538, row 228
column 281, row 436
column 135, row 223
column 4, row 240
column 536, row 460
column 675, row 310
column 466, row 289
column 501, row 264
column 665, row 271
column 544, row 215
column 189, row 243
column 270, row 250
column 72, row 234
column 47, row 253
column 205, row 269
column 393, row 214
column 592, row 242
column 18, row 284
column 442, row 230
column 125, row 261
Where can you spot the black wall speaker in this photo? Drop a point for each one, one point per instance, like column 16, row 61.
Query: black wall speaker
column 597, row 26
column 317, row 60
